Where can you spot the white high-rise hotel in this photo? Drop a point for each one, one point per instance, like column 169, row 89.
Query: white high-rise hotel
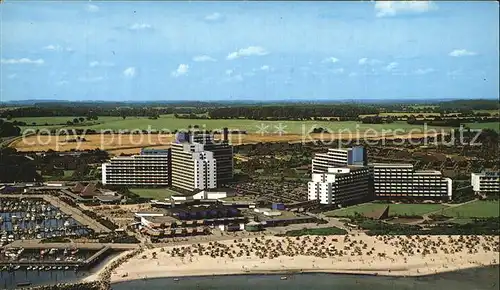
column 194, row 162
column 401, row 181
column 192, row 167
column 340, row 186
column 151, row 168
column 338, row 157
column 342, row 177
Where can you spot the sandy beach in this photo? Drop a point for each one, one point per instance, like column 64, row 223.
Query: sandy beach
column 360, row 254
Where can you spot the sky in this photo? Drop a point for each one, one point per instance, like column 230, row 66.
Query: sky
column 200, row 51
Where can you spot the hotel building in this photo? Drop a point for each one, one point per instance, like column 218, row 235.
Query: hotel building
column 200, row 162
column 401, row 181
column 222, row 152
column 340, row 186
column 485, row 183
column 150, row 168
column 192, row 167
column 340, row 157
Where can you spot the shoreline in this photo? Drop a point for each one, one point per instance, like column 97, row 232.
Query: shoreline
column 169, row 262
column 394, row 273
column 307, row 272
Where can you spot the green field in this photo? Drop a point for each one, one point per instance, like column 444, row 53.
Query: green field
column 394, row 209
column 169, row 122
column 479, row 208
column 490, row 125
column 154, row 193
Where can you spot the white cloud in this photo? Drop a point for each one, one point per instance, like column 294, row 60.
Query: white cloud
column 21, row 61
column 392, row 8
column 461, row 52
column 392, row 66
column 96, row 63
column 57, row 47
column 91, row 79
column 331, row 60
column 353, row 74
column 367, row 61
column 214, row 17
column 423, row 71
column 140, row 26
column 62, row 83
column 92, row 8
column 249, row 51
column 12, row 76
column 265, row 68
column 130, row 72
column 203, row 58
column 181, row 70
column 229, row 72
column 338, row 71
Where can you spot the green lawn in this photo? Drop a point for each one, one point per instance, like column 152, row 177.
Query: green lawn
column 169, row 122
column 154, row 193
column 489, row 125
column 394, row 209
column 479, row 208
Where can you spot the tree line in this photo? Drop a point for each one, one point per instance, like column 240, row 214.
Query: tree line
column 291, row 112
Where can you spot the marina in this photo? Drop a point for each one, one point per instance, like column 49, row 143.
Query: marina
column 35, row 218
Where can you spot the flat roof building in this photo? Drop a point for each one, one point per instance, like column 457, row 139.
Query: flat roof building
column 339, row 157
column 485, row 183
column 340, row 186
column 200, row 162
column 149, row 169
column 192, row 167
column 400, row 181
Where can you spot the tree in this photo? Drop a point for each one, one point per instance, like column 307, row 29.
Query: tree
column 76, row 121
column 81, row 119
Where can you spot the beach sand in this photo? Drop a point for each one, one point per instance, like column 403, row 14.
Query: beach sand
column 360, row 254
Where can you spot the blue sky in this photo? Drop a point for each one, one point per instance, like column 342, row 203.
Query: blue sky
column 249, row 50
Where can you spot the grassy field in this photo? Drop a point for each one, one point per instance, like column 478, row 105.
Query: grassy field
column 479, row 208
column 154, row 193
column 169, row 122
column 292, row 131
column 490, row 125
column 394, row 209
